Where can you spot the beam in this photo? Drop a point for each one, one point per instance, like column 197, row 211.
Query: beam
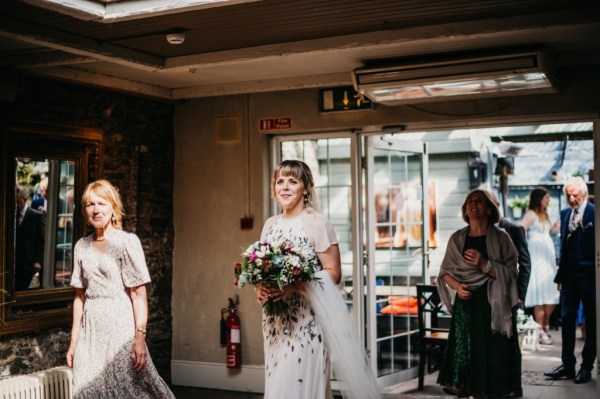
column 44, row 59
column 108, row 82
column 262, row 86
column 123, row 10
column 58, row 40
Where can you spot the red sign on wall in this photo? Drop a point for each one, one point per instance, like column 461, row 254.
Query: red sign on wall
column 275, row 123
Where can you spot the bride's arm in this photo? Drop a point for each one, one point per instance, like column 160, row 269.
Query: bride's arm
column 331, row 262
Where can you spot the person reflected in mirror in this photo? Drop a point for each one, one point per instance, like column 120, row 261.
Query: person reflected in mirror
column 108, row 350
column 576, row 281
column 542, row 294
column 37, row 191
column 480, row 267
column 29, row 240
column 41, row 203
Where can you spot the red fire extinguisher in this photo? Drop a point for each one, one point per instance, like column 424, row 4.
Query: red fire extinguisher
column 233, row 336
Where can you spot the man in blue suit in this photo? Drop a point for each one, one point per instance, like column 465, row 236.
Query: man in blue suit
column 40, row 203
column 576, row 280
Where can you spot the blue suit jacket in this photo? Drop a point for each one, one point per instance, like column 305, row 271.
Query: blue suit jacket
column 586, row 241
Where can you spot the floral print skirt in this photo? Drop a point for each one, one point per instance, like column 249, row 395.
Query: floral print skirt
column 486, row 364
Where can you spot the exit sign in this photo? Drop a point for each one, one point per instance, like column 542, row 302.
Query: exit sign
column 275, row 123
column 342, row 99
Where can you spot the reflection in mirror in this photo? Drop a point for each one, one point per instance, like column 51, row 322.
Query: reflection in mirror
column 44, row 196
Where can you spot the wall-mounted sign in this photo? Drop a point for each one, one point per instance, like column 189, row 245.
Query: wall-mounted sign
column 342, row 99
column 274, row 123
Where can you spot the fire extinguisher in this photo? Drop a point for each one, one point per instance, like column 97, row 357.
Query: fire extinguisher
column 231, row 325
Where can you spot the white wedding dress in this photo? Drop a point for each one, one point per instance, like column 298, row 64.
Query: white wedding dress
column 298, row 346
column 296, row 354
column 542, row 288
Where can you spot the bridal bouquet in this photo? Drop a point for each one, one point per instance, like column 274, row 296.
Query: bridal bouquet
column 280, row 264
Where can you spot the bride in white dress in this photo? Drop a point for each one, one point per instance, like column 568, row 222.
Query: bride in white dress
column 298, row 345
column 542, row 293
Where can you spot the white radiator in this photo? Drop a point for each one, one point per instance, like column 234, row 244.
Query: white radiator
column 55, row 383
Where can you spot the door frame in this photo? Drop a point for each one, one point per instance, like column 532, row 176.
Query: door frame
column 412, row 147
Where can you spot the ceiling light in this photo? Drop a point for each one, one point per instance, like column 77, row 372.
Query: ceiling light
column 175, row 37
column 430, row 80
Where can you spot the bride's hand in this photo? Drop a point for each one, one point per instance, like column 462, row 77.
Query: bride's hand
column 262, row 293
column 276, row 295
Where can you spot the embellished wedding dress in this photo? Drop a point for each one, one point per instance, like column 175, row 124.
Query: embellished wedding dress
column 298, row 346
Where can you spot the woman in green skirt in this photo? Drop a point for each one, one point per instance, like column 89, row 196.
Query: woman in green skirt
column 480, row 265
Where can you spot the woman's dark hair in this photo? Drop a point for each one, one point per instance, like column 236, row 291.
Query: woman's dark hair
column 535, row 199
column 535, row 202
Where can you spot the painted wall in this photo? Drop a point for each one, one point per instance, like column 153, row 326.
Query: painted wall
column 210, row 196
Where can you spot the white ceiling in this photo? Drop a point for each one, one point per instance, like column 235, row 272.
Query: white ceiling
column 255, row 46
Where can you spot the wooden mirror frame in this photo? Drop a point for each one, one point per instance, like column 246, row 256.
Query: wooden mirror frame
column 30, row 310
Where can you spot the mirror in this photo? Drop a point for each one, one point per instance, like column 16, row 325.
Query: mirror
column 44, row 171
column 44, row 197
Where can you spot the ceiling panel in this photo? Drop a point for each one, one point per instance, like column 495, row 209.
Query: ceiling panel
column 283, row 39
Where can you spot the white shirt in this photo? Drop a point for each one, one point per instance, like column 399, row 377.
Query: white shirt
column 21, row 215
column 576, row 216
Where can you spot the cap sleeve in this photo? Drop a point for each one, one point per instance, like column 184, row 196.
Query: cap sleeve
column 76, row 276
column 319, row 231
column 134, row 270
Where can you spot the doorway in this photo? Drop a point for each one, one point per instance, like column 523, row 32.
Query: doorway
column 383, row 248
column 380, row 262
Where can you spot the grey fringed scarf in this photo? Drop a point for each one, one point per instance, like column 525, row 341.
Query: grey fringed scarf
column 502, row 291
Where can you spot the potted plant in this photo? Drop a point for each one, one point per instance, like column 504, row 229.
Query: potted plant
column 517, row 205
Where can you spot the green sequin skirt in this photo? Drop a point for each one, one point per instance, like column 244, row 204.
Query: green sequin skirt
column 487, row 364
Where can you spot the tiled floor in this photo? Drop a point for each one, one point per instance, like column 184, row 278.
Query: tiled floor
column 535, row 385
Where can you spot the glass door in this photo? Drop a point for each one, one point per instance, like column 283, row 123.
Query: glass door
column 371, row 189
column 396, row 221
column 333, row 165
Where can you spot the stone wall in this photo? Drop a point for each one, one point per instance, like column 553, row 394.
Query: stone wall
column 137, row 156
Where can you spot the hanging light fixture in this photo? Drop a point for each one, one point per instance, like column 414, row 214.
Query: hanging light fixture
column 456, row 76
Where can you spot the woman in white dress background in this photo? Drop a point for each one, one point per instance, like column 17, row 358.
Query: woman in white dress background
column 297, row 346
column 542, row 293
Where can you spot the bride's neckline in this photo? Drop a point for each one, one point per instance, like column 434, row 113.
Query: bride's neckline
column 291, row 218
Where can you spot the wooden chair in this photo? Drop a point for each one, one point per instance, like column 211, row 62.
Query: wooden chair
column 433, row 329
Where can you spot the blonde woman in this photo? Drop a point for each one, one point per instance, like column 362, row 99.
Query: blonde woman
column 542, row 294
column 108, row 350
